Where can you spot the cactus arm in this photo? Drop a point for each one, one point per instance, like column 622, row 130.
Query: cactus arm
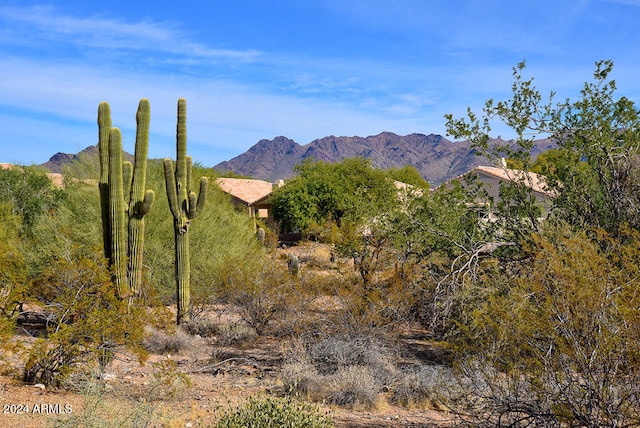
column 127, row 175
column 197, row 202
column 170, row 182
column 193, row 199
column 104, row 127
column 117, row 220
column 188, row 171
column 149, row 197
column 202, row 194
column 138, row 183
column 181, row 151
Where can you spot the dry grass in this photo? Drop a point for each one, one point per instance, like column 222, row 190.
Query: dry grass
column 343, row 370
column 160, row 342
column 319, row 349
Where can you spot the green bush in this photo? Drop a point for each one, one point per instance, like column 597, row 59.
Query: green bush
column 30, row 193
column 559, row 346
column 219, row 238
column 275, row 413
column 348, row 191
column 88, row 322
column 262, row 294
column 12, row 277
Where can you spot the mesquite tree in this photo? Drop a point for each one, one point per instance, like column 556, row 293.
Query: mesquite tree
column 184, row 205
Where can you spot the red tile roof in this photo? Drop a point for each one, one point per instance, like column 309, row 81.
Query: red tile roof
column 536, row 182
column 245, row 189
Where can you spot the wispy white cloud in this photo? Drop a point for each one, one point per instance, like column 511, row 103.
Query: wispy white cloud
column 59, row 66
column 101, row 32
column 224, row 118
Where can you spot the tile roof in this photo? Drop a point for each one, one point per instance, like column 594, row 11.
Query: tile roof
column 245, row 189
column 536, row 182
column 55, row 178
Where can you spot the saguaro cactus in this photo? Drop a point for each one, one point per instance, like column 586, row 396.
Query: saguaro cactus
column 123, row 199
column 184, row 205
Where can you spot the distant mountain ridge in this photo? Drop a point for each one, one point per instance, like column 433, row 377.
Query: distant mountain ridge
column 57, row 162
column 436, row 158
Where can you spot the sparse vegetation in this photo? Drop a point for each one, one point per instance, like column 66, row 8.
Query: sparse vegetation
column 87, row 322
column 275, row 412
column 426, row 301
column 343, row 370
column 160, row 342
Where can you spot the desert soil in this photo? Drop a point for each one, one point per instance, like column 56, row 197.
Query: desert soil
column 131, row 394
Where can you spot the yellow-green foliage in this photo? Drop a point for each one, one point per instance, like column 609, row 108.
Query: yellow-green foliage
column 275, row 412
column 565, row 332
column 263, row 290
column 220, row 237
column 88, row 321
column 12, row 276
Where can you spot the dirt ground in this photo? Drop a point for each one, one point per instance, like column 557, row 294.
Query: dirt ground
column 129, row 396
column 190, row 389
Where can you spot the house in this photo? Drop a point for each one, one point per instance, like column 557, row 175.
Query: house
column 249, row 195
column 56, row 179
column 492, row 177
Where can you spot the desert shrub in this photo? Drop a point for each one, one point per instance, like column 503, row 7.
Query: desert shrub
column 263, row 293
column 334, row 352
column 301, row 377
column 234, row 333
column 275, row 412
column 160, row 342
column 30, row 193
column 89, row 322
column 353, row 385
column 168, row 381
column 12, row 277
column 344, row 370
column 201, row 327
column 100, row 410
column 422, row 387
column 558, row 347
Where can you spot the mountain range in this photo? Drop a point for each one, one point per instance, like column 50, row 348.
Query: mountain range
column 57, row 162
column 435, row 157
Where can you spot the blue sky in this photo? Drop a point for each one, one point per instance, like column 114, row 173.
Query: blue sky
column 305, row 69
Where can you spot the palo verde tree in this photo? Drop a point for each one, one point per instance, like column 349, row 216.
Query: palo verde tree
column 552, row 339
column 13, row 276
column 557, row 344
column 123, row 199
column 185, row 206
column 601, row 134
column 30, row 194
column 598, row 138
